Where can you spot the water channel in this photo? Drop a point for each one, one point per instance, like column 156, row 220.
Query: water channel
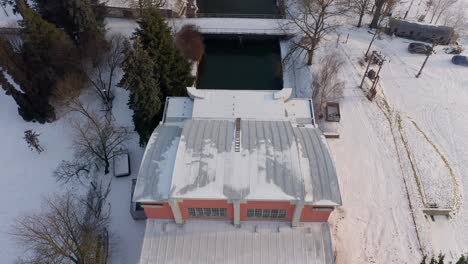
column 239, row 62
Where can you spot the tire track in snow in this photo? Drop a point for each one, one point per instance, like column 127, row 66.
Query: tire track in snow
column 381, row 230
column 431, row 114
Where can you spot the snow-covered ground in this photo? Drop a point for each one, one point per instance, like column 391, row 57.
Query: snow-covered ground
column 28, row 177
column 7, row 18
column 424, row 140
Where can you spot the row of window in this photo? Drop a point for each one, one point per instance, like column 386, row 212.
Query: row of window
column 266, row 213
column 207, row 212
column 251, row 213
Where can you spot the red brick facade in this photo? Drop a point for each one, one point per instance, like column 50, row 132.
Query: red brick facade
column 164, row 212
column 309, row 212
column 312, row 214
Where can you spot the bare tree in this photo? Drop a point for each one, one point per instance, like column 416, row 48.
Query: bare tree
column 359, row 7
column 326, row 85
column 381, row 9
column 387, row 9
column 75, row 170
column 439, row 7
column 456, row 17
column 68, row 89
column 314, row 19
column 102, row 75
column 66, row 230
column 32, row 139
column 190, row 42
column 96, row 138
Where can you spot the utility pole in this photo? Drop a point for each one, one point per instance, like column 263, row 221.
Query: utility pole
column 367, row 70
column 429, row 53
column 372, row 41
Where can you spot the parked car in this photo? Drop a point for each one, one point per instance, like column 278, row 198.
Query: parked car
column 460, row 60
column 420, row 48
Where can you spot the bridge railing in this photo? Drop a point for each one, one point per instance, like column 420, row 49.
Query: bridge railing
column 228, row 15
column 265, row 31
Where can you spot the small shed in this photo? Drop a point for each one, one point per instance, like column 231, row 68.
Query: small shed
column 422, row 32
column 121, row 163
column 332, row 110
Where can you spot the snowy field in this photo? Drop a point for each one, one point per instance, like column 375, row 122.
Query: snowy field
column 413, row 137
column 27, row 178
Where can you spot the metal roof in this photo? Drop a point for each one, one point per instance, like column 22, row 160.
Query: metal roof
column 214, row 242
column 155, row 174
column 277, row 160
column 273, row 152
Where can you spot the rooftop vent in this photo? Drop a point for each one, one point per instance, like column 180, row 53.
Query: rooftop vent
column 238, row 134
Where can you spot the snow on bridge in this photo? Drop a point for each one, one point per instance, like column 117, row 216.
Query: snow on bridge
column 255, row 26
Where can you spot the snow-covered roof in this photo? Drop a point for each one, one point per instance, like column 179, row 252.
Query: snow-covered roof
column 213, row 242
column 212, row 154
column 155, row 175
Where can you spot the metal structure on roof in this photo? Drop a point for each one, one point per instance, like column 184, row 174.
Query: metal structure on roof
column 213, row 242
column 281, row 155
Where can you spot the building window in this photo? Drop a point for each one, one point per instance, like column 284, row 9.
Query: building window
column 266, row 213
column 207, row 212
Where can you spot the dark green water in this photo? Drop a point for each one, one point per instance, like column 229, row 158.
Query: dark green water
column 237, row 6
column 250, row 64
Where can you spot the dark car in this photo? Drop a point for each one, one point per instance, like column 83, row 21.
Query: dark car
column 460, row 60
column 420, row 48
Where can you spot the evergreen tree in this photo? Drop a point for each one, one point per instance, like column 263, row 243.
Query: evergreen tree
column 463, row 259
column 143, row 84
column 44, row 56
column 154, row 70
column 156, row 38
column 83, row 20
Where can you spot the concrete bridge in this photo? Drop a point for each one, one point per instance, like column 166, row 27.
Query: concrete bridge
column 245, row 26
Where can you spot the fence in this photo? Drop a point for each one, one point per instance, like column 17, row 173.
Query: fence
column 245, row 31
column 9, row 31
